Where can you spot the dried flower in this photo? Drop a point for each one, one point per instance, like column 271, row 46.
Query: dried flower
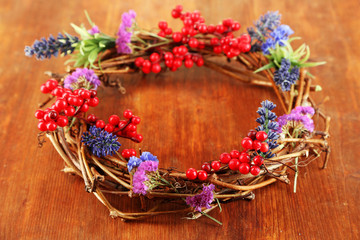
column 143, row 180
column 135, row 162
column 203, row 199
column 300, row 117
column 279, row 35
column 100, row 142
column 268, row 124
column 52, row 47
column 286, row 76
column 82, row 77
column 125, row 32
column 93, row 30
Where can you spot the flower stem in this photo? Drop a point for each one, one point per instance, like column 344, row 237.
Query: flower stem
column 215, row 220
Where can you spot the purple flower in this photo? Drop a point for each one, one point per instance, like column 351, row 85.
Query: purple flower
column 300, row 115
column 203, row 199
column 124, row 33
column 135, row 162
column 93, row 30
column 84, row 76
column 141, row 182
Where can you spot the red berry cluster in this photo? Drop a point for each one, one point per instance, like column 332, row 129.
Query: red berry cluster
column 127, row 153
column 122, row 128
column 194, row 24
column 68, row 104
column 236, row 160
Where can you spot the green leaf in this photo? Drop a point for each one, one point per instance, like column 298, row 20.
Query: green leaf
column 81, row 31
column 311, row 64
column 265, row 67
column 92, row 56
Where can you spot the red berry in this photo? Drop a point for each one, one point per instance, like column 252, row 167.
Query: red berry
column 168, row 56
column 261, row 136
column 114, row 120
column 217, row 49
column 139, row 61
column 109, row 128
column 200, row 62
column 175, row 14
column 69, row 111
column 179, row 8
column 85, row 94
column 84, row 108
column 163, row 25
column 188, row 63
column 264, row 147
column 60, row 104
column 53, row 115
column 132, row 152
column 244, row 168
column 245, row 38
column 255, row 170
column 168, row 31
column 57, row 92
column 146, row 64
column 42, row 126
column 252, row 134
column 191, row 173
column 131, row 127
column 122, row 124
column 193, row 42
column 256, row 145
column 247, row 143
column 177, row 36
column 93, row 102
column 235, row 26
column 44, row 89
column 93, row 93
column 215, row 165
column 156, row 68
column 100, row 124
column 91, row 118
column 234, row 164
column 203, row 28
column 154, row 57
column 62, row 121
column 183, row 50
column 146, row 70
column 211, row 28
column 220, row 28
column 225, row 157
column 202, row 175
column 128, row 114
column 51, row 126
column 206, row 167
column 235, row 154
column 39, row 114
column 138, row 138
column 126, row 153
column 135, row 120
column 51, row 84
column 244, row 157
column 258, row 160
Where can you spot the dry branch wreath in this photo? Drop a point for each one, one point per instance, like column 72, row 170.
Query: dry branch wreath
column 89, row 146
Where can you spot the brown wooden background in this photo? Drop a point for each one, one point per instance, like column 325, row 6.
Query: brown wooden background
column 188, row 117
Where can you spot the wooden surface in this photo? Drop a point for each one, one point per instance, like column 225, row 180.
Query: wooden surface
column 189, row 117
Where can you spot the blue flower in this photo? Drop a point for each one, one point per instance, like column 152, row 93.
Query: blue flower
column 284, row 76
column 278, row 36
column 145, row 156
column 100, row 142
column 52, row 47
column 268, row 124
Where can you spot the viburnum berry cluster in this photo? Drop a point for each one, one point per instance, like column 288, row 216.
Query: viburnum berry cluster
column 186, row 43
column 248, row 161
column 68, row 104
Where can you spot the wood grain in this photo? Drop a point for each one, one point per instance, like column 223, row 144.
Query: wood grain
column 188, row 117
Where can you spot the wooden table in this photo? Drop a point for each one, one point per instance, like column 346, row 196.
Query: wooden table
column 189, row 117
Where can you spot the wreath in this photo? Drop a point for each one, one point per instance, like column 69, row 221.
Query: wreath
column 90, row 145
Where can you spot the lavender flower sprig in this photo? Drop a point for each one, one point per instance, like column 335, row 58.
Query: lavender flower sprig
column 100, row 142
column 269, row 125
column 46, row 48
column 286, row 75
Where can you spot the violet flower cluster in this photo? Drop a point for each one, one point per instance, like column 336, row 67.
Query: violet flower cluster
column 80, row 74
column 203, row 199
column 300, row 115
column 268, row 124
column 45, row 48
column 286, row 76
column 100, row 142
column 278, row 36
column 124, row 33
column 141, row 181
column 263, row 27
column 135, row 162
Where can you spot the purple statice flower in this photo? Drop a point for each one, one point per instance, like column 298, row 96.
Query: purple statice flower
column 100, row 142
column 93, row 30
column 268, row 124
column 124, row 33
column 263, row 27
column 278, row 36
column 203, row 199
column 72, row 81
column 286, row 76
column 141, row 182
column 299, row 115
column 135, row 162
column 45, row 48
